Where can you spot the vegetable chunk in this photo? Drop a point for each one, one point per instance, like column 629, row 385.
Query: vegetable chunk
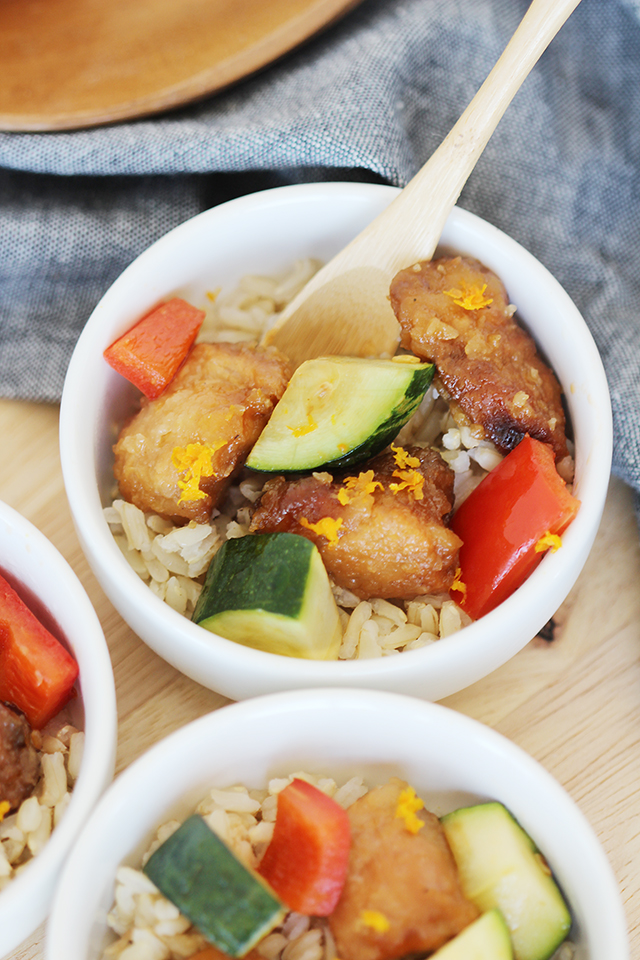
column 306, row 861
column 501, row 867
column 337, row 411
column 37, row 674
column 487, row 938
column 506, row 522
column 150, row 354
column 231, row 906
column 271, row 592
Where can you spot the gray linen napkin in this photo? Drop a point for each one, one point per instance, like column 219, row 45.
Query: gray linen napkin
column 370, row 98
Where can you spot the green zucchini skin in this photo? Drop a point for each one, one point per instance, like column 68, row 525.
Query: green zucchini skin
column 390, row 428
column 500, row 867
column 271, row 591
column 230, row 905
column 487, row 938
column 355, row 408
column 231, row 578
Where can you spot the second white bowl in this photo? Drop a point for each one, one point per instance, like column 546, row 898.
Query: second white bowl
column 340, row 734
column 33, row 562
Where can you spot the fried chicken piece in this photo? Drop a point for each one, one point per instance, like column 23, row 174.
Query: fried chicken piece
column 455, row 313
column 179, row 453
column 19, row 767
column 380, row 534
column 409, row 882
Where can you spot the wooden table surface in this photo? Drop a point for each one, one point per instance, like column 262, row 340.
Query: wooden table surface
column 573, row 704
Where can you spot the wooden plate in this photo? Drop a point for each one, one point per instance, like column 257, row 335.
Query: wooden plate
column 78, row 63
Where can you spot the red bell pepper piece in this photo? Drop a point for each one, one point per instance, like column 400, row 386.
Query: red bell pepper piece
column 503, row 519
column 37, row 674
column 150, row 354
column 306, row 861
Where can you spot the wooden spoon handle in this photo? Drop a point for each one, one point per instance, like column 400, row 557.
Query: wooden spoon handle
column 345, row 308
column 417, row 217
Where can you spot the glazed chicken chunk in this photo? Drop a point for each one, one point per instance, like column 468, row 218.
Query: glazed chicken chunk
column 455, row 313
column 179, row 453
column 402, row 895
column 19, row 768
column 380, row 532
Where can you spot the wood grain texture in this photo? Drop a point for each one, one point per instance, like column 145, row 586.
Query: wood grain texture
column 573, row 704
column 78, row 63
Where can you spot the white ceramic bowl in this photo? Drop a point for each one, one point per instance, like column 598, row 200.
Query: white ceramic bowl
column 340, row 733
column 30, row 559
column 264, row 233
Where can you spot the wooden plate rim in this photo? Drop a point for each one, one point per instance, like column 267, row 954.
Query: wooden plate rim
column 319, row 15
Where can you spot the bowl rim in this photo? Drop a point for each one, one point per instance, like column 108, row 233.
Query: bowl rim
column 210, row 659
column 606, row 925
column 97, row 688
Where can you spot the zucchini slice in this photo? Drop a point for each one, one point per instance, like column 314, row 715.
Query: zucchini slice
column 501, row 867
column 231, row 905
column 338, row 411
column 487, row 938
column 271, row 591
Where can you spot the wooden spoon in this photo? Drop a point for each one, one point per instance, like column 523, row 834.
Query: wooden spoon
column 345, row 309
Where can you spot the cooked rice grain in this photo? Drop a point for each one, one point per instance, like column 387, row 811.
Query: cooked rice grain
column 149, row 927
column 26, row 832
column 248, row 311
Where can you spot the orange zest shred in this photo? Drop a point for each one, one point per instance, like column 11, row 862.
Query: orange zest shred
column 549, row 541
column 195, row 461
column 403, row 458
column 5, row 806
column 343, row 497
column 359, row 486
column 470, row 298
column 410, row 480
column 325, row 527
column 458, row 583
column 408, row 805
column 374, row 919
column 305, row 428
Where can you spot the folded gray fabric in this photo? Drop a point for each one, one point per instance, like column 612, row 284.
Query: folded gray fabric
column 370, row 98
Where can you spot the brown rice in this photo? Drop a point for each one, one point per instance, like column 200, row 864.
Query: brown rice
column 25, row 832
column 150, row 927
column 173, row 560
